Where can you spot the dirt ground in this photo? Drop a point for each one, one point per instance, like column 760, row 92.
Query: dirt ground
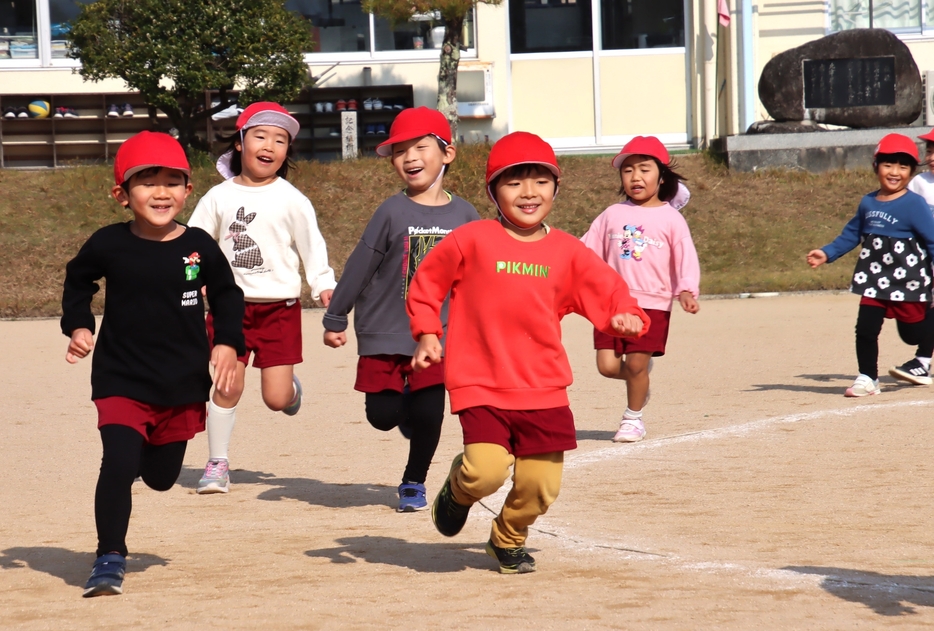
column 761, row 498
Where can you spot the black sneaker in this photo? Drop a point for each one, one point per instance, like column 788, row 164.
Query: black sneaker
column 449, row 516
column 106, row 576
column 511, row 560
column 913, row 372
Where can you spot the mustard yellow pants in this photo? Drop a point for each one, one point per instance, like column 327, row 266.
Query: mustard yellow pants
column 536, row 481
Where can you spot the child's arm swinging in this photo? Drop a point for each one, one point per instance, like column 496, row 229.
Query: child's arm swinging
column 81, row 276
column 430, row 286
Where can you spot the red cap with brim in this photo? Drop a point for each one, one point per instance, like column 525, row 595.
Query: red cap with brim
column 928, row 137
column 415, row 122
column 146, row 150
column 519, row 147
column 642, row 146
column 897, row 143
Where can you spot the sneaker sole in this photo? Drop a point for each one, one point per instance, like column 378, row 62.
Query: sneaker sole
column 849, row 393
column 904, row 376
column 212, row 488
column 522, row 568
column 412, row 509
column 103, row 590
column 458, row 460
column 622, row 439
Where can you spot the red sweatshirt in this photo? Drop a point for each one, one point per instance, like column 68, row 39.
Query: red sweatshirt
column 507, row 300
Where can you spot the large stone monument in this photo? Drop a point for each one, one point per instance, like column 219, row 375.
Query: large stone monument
column 859, row 78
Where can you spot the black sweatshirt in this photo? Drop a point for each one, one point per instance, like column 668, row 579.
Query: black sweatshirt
column 153, row 345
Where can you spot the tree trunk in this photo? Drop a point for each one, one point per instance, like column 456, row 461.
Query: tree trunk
column 447, row 72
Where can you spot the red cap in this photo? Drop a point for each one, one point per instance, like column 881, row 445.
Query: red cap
column 897, row 143
column 148, row 149
column 520, row 147
column 267, row 113
column 928, row 137
column 642, row 146
column 415, row 122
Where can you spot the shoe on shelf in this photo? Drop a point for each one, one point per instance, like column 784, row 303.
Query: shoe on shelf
column 334, row 132
column 328, row 107
column 296, row 404
column 913, row 372
column 216, row 478
column 114, row 111
column 380, row 129
column 10, row 112
column 231, row 111
column 511, row 560
column 411, row 498
column 59, row 112
column 22, row 112
column 399, row 107
column 128, row 109
column 863, row 386
column 370, row 130
column 352, row 105
column 319, row 107
column 368, row 104
column 448, row 516
column 70, row 112
column 106, row 576
column 377, row 104
column 341, row 105
column 631, row 430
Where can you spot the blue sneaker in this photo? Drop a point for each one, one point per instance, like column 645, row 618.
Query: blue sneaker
column 106, row 576
column 292, row 408
column 411, row 498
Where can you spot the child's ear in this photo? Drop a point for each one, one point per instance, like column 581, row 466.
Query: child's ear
column 449, row 154
column 120, row 195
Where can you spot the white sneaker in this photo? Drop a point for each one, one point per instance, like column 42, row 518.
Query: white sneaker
column 862, row 387
column 631, row 430
column 216, row 478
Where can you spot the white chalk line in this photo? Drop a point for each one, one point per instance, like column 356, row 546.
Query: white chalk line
column 789, row 577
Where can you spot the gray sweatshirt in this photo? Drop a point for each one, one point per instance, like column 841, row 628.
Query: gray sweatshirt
column 378, row 274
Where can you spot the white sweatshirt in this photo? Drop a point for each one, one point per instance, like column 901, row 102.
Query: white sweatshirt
column 923, row 185
column 264, row 231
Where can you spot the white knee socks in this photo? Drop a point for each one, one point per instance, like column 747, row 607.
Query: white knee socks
column 220, row 425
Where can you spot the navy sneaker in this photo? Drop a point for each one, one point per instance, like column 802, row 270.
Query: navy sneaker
column 449, row 516
column 511, row 560
column 411, row 498
column 913, row 372
column 106, row 576
column 292, row 408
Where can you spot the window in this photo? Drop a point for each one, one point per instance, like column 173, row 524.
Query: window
column 424, row 30
column 18, row 30
column 545, row 26
column 61, row 14
column 895, row 15
column 642, row 23
column 336, row 27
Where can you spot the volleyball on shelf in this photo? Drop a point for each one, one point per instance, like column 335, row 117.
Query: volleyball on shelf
column 39, row 109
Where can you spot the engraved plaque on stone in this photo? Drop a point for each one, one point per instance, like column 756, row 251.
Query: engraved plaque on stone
column 349, row 147
column 839, row 83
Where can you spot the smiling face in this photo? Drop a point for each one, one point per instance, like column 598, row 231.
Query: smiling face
column 155, row 196
column 893, row 177
column 641, row 180
column 419, row 163
column 525, row 196
column 262, row 153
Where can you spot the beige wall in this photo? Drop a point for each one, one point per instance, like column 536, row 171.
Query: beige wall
column 553, row 97
column 625, row 111
column 53, row 81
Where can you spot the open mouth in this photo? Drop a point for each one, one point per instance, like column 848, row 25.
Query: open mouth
column 414, row 171
column 528, row 209
column 265, row 159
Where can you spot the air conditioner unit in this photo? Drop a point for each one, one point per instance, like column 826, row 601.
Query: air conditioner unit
column 929, row 98
column 475, row 90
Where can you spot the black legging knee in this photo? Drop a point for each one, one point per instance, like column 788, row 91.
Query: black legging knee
column 126, row 456
column 423, row 411
column 869, row 325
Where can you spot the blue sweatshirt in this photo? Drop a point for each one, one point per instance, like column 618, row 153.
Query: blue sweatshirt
column 907, row 217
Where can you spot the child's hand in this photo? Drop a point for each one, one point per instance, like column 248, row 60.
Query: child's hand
column 335, row 339
column 688, row 303
column 627, row 324
column 427, row 352
column 82, row 343
column 816, row 258
column 224, row 360
column 326, row 296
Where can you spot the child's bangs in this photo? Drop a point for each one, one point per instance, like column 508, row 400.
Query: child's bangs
column 897, row 158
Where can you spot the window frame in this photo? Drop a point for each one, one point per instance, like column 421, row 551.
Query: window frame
column 924, row 32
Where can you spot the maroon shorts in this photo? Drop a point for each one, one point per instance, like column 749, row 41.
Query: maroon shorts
column 907, row 312
column 521, row 432
column 272, row 330
column 376, row 373
column 159, row 424
column 652, row 342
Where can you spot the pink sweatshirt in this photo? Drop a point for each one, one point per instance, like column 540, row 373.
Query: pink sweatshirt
column 651, row 248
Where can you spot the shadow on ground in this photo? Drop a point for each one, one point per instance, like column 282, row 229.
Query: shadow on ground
column 421, row 557
column 844, row 381
column 70, row 566
column 885, row 594
column 314, row 492
column 595, row 434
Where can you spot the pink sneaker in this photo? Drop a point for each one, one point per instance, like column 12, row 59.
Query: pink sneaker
column 631, row 430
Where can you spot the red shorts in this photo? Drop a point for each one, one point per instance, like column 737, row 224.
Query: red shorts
column 652, row 342
column 521, row 432
column 376, row 373
column 907, row 312
column 159, row 424
column 272, row 330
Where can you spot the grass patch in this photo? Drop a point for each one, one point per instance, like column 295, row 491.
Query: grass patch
column 752, row 230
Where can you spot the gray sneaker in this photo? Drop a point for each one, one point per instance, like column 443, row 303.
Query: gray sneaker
column 292, row 408
column 216, row 478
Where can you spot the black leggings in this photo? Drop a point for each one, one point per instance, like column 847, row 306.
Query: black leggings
column 126, row 456
column 869, row 325
column 422, row 411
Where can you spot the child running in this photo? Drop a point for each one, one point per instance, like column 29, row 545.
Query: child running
column 923, row 183
column 265, row 227
column 647, row 241
column 511, row 282
column 149, row 375
column 376, row 280
column 893, row 272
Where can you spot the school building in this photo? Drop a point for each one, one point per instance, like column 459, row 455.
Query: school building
column 587, row 75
